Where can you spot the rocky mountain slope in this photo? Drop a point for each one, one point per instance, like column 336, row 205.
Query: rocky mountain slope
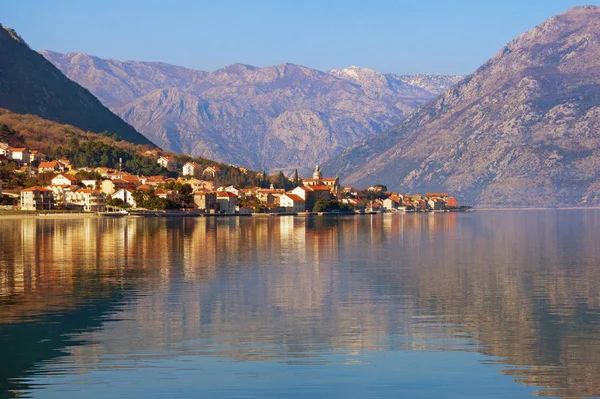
column 281, row 117
column 29, row 84
column 523, row 130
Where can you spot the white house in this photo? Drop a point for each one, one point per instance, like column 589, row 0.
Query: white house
column 51, row 166
column 292, row 202
column 21, row 155
column 167, row 163
column 191, row 169
column 211, row 171
column 125, row 195
column 64, row 180
column 235, row 190
column 36, row 199
column 228, row 202
column 89, row 200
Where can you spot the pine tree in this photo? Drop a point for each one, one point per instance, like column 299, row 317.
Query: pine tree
column 296, row 182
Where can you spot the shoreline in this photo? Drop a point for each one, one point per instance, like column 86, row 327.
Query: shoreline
column 151, row 214
column 167, row 215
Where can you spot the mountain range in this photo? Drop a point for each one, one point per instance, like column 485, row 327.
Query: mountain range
column 522, row 130
column 283, row 117
column 31, row 85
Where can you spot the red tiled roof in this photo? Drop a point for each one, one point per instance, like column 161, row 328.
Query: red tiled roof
column 48, row 164
column 226, row 194
column 37, row 189
column 319, row 188
column 436, row 194
column 66, row 176
column 17, row 149
column 294, row 197
column 194, row 164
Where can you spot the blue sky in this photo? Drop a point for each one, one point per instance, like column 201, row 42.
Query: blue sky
column 402, row 37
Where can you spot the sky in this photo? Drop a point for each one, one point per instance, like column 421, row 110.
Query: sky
column 401, row 37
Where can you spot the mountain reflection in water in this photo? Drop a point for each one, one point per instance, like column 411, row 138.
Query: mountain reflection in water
column 521, row 287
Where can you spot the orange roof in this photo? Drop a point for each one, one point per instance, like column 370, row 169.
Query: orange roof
column 144, row 187
column 294, row 197
column 329, row 179
column 167, row 158
column 226, row 194
column 194, row 164
column 130, row 178
column 319, row 188
column 37, row 189
column 436, row 194
column 17, row 149
column 156, row 179
column 66, row 176
column 305, row 188
column 48, row 164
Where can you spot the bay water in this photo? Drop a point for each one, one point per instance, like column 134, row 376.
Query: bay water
column 479, row 304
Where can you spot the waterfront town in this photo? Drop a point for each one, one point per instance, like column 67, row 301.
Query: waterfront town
column 193, row 188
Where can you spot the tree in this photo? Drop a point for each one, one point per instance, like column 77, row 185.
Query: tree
column 296, row 180
column 331, row 206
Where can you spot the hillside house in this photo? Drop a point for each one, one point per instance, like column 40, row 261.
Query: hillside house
column 36, row 156
column 21, row 155
column 191, row 169
column 201, row 185
column 211, row 171
column 51, row 167
column 157, row 180
column 167, row 162
column 5, row 150
column 64, row 179
column 90, row 183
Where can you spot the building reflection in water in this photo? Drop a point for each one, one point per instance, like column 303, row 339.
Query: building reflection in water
column 520, row 286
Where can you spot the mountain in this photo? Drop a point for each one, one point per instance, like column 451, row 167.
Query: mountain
column 281, row 117
column 522, row 130
column 29, row 84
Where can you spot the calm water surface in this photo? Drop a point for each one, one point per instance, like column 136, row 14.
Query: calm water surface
column 485, row 304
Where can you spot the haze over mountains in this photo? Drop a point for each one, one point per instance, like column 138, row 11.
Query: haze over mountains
column 274, row 118
column 31, row 85
column 523, row 130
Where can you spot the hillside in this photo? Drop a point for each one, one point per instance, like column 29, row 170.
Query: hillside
column 520, row 131
column 29, row 84
column 281, row 117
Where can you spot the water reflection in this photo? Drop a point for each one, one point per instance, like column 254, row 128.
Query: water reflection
column 519, row 286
